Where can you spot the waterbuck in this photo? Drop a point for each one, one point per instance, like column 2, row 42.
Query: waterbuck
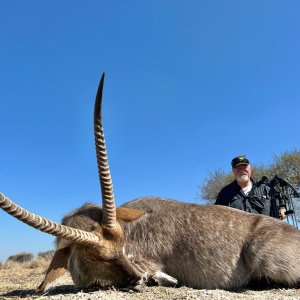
column 156, row 241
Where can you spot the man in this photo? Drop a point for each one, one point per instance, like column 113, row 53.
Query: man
column 246, row 194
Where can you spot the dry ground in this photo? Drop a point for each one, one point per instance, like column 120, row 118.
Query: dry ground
column 18, row 280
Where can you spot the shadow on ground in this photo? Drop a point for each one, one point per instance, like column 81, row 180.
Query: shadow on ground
column 57, row 290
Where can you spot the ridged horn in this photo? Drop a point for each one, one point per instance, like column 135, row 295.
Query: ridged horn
column 77, row 236
column 108, row 202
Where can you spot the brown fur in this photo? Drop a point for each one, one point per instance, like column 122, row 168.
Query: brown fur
column 201, row 246
column 57, row 267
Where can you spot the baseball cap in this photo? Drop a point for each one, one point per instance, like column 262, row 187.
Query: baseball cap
column 239, row 160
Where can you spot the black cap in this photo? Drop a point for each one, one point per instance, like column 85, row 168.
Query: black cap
column 239, row 160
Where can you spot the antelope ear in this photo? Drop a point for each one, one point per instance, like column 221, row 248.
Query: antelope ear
column 129, row 214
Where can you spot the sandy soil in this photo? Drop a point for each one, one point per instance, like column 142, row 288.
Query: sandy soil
column 18, row 280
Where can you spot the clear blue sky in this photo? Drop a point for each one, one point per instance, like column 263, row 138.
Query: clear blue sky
column 189, row 85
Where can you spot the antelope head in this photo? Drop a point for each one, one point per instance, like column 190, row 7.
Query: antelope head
column 95, row 256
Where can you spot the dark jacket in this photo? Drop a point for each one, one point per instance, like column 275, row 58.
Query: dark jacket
column 257, row 201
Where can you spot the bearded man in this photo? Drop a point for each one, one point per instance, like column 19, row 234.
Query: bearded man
column 246, row 194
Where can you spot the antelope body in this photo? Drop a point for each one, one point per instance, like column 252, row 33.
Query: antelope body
column 156, row 241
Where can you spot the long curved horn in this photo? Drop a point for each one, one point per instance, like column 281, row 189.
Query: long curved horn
column 77, row 236
column 108, row 203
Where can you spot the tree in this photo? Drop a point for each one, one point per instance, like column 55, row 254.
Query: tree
column 213, row 184
column 286, row 166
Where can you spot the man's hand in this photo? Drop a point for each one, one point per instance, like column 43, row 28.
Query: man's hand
column 282, row 211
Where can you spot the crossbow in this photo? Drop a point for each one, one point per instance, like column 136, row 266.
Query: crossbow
column 281, row 190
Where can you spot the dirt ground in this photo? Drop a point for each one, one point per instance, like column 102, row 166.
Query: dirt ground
column 18, row 280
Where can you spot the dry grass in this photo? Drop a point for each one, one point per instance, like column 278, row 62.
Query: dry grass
column 15, row 275
column 33, row 264
column 18, row 280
